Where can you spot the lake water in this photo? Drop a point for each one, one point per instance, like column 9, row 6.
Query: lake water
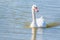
column 15, row 13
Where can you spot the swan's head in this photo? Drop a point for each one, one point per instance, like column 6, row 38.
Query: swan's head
column 35, row 8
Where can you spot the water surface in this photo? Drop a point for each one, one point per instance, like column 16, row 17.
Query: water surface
column 15, row 13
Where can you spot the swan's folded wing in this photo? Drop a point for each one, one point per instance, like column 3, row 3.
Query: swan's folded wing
column 53, row 24
column 41, row 22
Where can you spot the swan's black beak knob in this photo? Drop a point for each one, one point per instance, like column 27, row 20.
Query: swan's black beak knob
column 36, row 9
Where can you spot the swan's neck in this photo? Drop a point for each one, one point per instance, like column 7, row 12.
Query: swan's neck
column 34, row 17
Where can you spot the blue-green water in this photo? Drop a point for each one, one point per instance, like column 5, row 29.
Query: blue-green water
column 15, row 13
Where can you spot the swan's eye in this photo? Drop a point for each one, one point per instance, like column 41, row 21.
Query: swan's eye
column 36, row 8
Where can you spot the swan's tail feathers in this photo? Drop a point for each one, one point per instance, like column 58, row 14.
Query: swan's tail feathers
column 53, row 24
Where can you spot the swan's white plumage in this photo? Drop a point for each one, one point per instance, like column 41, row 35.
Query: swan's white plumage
column 40, row 22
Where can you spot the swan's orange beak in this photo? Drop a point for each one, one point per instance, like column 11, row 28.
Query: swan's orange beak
column 36, row 9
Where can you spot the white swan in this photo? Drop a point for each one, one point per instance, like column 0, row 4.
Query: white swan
column 37, row 22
